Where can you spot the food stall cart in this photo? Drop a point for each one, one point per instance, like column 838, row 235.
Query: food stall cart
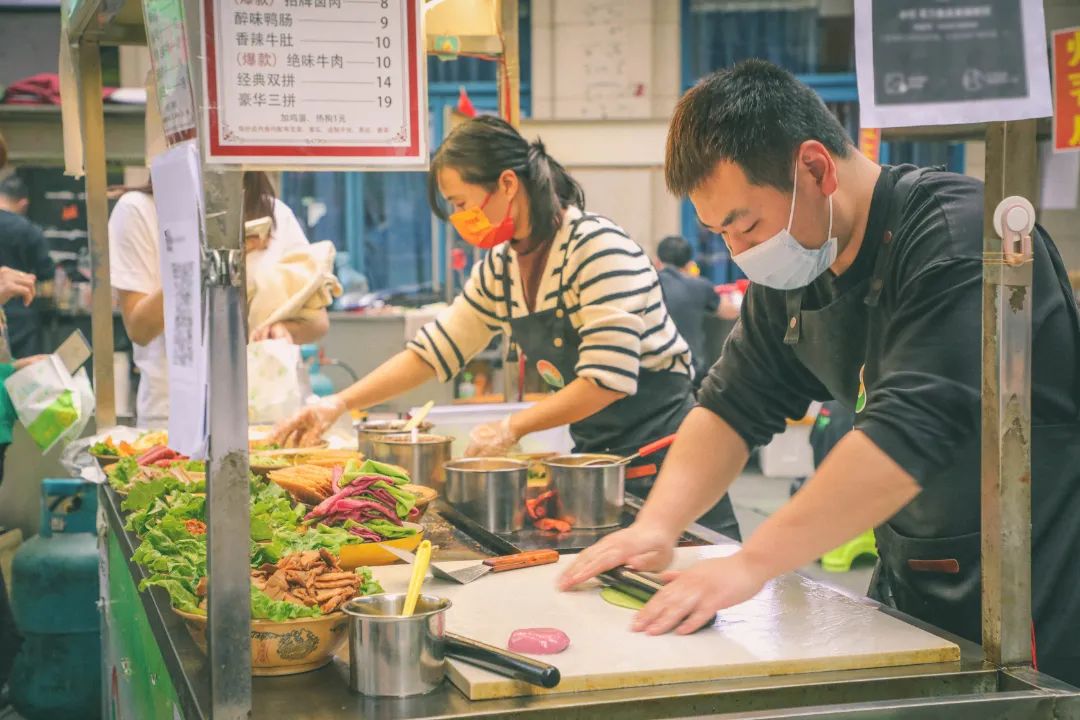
column 154, row 669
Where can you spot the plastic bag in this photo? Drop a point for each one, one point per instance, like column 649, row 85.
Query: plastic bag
column 51, row 403
column 274, row 387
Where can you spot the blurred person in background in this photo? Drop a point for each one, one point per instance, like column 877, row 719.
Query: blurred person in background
column 23, row 247
column 134, row 251
column 689, row 297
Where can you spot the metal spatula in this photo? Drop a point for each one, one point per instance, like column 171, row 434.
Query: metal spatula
column 467, row 575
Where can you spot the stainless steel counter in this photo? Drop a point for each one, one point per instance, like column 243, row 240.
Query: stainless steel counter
column 959, row 691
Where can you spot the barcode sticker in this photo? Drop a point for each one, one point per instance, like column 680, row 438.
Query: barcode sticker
column 183, row 275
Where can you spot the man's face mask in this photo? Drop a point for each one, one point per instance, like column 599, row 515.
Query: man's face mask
column 782, row 262
column 474, row 227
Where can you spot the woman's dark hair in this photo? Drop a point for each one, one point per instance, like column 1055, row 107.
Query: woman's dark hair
column 483, row 148
column 259, row 195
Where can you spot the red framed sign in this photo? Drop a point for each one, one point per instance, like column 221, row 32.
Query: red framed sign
column 1066, row 60
column 315, row 83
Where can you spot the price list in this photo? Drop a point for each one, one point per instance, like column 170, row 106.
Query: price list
column 315, row 82
column 169, row 55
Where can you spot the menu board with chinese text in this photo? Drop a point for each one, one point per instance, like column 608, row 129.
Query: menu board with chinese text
column 315, row 82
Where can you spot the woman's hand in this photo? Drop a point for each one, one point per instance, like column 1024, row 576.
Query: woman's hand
column 275, row 331
column 28, row 361
column 491, row 439
column 15, row 283
column 306, row 427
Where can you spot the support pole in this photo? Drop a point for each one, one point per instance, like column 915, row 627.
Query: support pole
column 228, row 494
column 97, row 224
column 1006, row 405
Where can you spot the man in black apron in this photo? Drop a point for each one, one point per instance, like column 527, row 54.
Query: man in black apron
column 656, row 410
column 867, row 290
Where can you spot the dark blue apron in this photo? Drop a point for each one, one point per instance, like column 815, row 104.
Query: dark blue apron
column 549, row 341
column 930, row 550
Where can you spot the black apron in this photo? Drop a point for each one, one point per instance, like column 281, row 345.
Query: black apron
column 930, row 550
column 663, row 399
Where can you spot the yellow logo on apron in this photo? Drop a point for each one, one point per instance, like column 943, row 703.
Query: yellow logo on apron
column 551, row 374
column 860, row 401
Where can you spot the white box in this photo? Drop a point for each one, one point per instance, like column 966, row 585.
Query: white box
column 789, row 455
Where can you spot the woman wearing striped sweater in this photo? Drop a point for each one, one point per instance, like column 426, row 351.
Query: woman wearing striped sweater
column 572, row 291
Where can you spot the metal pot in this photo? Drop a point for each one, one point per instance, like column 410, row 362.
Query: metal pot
column 490, row 491
column 423, row 458
column 395, row 656
column 368, row 431
column 587, row 497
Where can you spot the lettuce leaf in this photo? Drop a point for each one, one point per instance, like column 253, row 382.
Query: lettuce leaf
column 263, row 608
column 406, row 501
column 393, row 473
column 385, row 528
column 368, row 584
column 121, row 476
column 182, row 598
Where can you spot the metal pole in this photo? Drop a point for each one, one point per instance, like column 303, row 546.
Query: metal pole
column 97, row 224
column 509, row 89
column 509, row 83
column 228, row 507
column 228, row 495
column 1006, row 405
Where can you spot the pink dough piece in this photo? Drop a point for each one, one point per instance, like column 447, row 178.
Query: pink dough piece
column 538, row 641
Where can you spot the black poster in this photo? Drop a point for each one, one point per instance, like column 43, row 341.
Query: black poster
column 948, row 51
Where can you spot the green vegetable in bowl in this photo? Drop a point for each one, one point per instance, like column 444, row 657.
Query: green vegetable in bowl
column 269, row 461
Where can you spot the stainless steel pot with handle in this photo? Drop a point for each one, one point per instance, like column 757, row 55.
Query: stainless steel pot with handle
column 588, row 493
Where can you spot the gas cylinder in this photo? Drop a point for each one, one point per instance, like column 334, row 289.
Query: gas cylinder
column 57, row 673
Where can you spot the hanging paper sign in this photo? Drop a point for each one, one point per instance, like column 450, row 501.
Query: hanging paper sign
column 921, row 62
column 172, row 75
column 315, row 82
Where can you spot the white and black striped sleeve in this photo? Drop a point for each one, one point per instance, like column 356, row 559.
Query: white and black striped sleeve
column 614, row 283
column 463, row 329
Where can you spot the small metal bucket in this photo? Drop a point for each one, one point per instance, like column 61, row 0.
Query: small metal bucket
column 370, row 431
column 587, row 496
column 423, row 458
column 395, row 656
column 491, row 491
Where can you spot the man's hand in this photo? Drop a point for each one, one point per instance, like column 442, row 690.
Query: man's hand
column 275, row 331
column 691, row 598
column 639, row 547
column 14, row 283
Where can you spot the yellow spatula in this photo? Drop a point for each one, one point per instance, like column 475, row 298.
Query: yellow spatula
column 418, row 418
column 419, row 572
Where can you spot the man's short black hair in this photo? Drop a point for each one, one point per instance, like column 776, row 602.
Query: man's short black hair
column 754, row 114
column 674, row 250
column 13, row 188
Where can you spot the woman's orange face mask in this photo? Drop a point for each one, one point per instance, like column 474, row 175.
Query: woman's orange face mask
column 475, row 228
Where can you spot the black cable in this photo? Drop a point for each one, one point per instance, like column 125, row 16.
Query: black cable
column 343, row 366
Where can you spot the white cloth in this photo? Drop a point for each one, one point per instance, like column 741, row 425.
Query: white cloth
column 297, row 287
column 135, row 266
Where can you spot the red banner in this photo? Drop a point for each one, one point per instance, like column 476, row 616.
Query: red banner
column 1066, row 62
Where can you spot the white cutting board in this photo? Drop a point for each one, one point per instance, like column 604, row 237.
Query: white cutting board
column 793, row 626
